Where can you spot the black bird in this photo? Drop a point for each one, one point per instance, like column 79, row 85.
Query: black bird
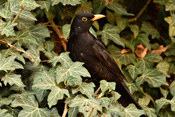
column 84, row 47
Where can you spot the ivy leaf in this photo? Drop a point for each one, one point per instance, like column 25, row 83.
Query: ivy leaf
column 63, row 58
column 144, row 101
column 164, row 92
column 125, row 58
column 84, row 7
column 75, row 70
column 107, row 86
column 98, row 5
column 25, row 14
column 122, row 23
column 161, row 102
column 172, row 88
column 45, row 4
column 115, row 6
column 150, row 30
column 85, row 88
column 39, row 32
column 115, row 96
column 66, row 2
column 24, row 24
column 29, row 4
column 153, row 77
column 135, row 30
column 131, row 111
column 66, row 30
column 2, row 25
column 110, row 32
column 6, row 63
column 169, row 6
column 5, row 101
column 133, row 70
column 8, row 30
column 37, row 112
column 85, row 105
column 172, row 103
column 55, row 95
column 74, row 81
column 105, row 102
column 163, row 68
column 143, row 39
column 5, row 12
column 4, row 113
column 151, row 112
column 171, row 27
column 73, row 111
column 12, row 79
column 132, row 87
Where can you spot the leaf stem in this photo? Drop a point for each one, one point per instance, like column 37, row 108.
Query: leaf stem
column 3, row 4
column 65, row 111
column 16, row 17
column 19, row 50
column 140, row 12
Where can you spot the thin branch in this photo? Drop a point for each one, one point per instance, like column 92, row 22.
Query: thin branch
column 19, row 50
column 96, row 92
column 3, row 4
column 61, row 36
column 65, row 111
column 140, row 12
column 16, row 17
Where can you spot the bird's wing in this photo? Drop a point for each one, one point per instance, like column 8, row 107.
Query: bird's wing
column 106, row 59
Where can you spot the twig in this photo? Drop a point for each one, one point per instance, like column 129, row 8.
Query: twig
column 65, row 111
column 140, row 12
column 92, row 110
column 3, row 4
column 97, row 90
column 61, row 36
column 19, row 50
column 14, row 20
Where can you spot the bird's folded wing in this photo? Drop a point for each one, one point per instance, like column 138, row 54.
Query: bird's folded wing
column 106, row 59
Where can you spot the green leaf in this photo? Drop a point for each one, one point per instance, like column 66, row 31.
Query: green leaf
column 63, row 58
column 128, row 44
column 84, row 7
column 132, row 87
column 164, row 92
column 172, row 103
column 2, row 25
column 133, row 70
column 66, row 30
column 74, row 81
column 125, row 58
column 74, row 70
column 172, row 88
column 66, row 2
column 148, row 61
column 24, row 24
column 105, row 102
column 39, row 32
column 5, row 101
column 161, row 103
column 85, row 88
column 170, row 6
column 5, row 12
column 55, row 95
column 150, row 30
column 44, row 4
column 131, row 111
column 110, row 32
column 73, row 111
column 85, row 105
column 37, row 112
column 12, row 79
column 171, row 27
column 6, row 63
column 4, row 113
column 144, row 101
column 25, row 14
column 29, row 4
column 110, row 17
column 107, row 86
column 163, row 68
column 115, row 6
column 98, row 5
column 135, row 30
column 122, row 23
column 153, row 77
column 8, row 30
column 151, row 112
column 143, row 39
column 115, row 95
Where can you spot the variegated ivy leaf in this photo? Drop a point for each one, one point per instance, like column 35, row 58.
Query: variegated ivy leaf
column 45, row 4
column 66, row 2
column 4, row 113
column 107, row 85
column 29, row 4
column 5, row 12
column 8, row 30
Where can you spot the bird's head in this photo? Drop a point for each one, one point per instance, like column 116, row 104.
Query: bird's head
column 83, row 21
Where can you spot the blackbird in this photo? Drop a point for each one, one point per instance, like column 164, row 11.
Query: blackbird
column 84, row 47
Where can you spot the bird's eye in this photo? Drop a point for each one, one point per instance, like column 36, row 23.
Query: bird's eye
column 84, row 19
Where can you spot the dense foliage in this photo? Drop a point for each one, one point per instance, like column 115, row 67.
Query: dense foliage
column 38, row 79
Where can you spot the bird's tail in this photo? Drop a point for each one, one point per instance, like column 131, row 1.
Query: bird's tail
column 126, row 97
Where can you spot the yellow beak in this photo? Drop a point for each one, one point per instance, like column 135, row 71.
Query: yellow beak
column 97, row 16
